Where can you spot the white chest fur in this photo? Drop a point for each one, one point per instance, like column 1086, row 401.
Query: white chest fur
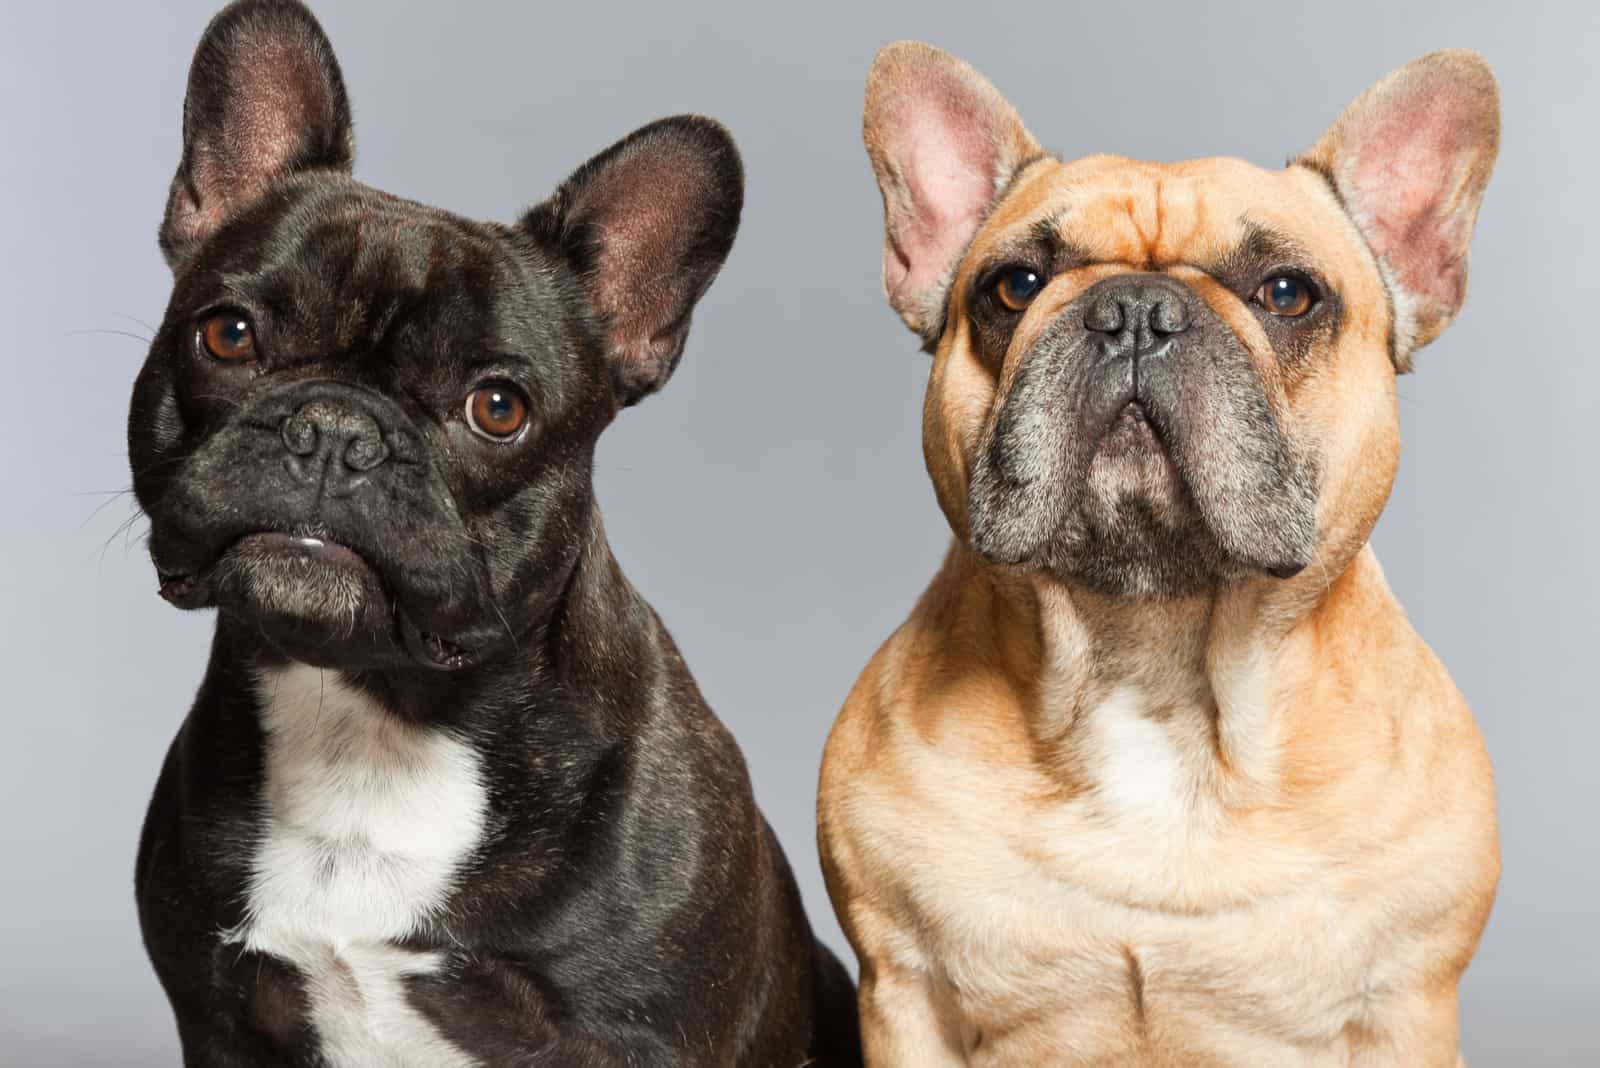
column 366, row 822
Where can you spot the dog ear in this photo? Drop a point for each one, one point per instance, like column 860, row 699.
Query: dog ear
column 265, row 101
column 944, row 144
column 1410, row 159
column 647, row 224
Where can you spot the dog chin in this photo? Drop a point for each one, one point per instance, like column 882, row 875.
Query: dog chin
column 1137, row 532
column 320, row 603
column 315, row 601
column 301, row 590
column 1132, row 466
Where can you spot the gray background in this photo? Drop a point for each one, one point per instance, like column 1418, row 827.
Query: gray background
column 772, row 502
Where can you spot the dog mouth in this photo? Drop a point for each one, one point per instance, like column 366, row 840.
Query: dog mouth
column 1132, row 433
column 306, row 554
column 433, row 650
column 312, row 549
column 303, row 576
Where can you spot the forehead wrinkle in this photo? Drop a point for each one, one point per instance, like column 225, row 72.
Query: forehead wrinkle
column 1165, row 219
column 1185, row 212
column 1105, row 225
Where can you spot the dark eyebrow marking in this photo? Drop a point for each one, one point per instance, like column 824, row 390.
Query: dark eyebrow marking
column 1264, row 250
column 1040, row 247
column 1047, row 231
column 1260, row 249
column 934, row 331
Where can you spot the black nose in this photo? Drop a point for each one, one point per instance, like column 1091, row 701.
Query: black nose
column 333, row 440
column 1136, row 314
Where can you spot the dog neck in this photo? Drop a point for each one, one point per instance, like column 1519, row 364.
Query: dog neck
column 1220, row 675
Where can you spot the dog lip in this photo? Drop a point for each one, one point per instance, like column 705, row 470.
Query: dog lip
column 433, row 650
column 296, row 544
column 1286, row 569
column 184, row 590
column 1132, row 429
column 197, row 588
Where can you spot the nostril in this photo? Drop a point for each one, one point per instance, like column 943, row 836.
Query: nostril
column 1104, row 316
column 300, row 435
column 365, row 452
column 1169, row 317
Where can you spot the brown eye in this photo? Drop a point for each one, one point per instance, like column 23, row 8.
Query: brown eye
column 1286, row 295
column 228, row 336
column 496, row 411
column 1017, row 287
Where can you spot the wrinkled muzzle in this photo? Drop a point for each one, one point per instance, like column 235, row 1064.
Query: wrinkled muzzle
column 1138, row 365
column 315, row 512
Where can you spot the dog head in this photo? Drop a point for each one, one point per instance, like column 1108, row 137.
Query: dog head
column 366, row 426
column 1151, row 379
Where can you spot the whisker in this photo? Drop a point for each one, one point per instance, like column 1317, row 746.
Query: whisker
column 110, row 499
column 123, row 529
column 166, row 461
column 516, row 645
column 115, row 333
column 135, row 319
column 127, row 532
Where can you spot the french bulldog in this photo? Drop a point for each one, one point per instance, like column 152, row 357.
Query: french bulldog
column 448, row 795
column 1157, row 772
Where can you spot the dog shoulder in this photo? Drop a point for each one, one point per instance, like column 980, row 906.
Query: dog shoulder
column 853, row 754
column 859, row 787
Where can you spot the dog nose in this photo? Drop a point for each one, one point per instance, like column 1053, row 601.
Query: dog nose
column 1136, row 315
column 333, row 443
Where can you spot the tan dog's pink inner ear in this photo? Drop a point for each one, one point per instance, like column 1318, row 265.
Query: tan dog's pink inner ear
column 1411, row 159
column 943, row 144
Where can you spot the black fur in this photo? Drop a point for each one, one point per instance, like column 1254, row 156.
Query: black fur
column 627, row 903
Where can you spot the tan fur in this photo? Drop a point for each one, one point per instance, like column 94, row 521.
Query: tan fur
column 1255, row 827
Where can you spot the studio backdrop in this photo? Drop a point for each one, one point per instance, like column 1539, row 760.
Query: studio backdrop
column 772, row 502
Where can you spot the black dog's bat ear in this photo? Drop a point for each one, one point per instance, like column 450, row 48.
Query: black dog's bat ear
column 647, row 224
column 265, row 100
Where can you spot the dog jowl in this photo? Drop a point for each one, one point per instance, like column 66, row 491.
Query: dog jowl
column 1157, row 771
column 448, row 795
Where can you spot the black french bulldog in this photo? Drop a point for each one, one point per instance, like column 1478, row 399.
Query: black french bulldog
column 448, row 795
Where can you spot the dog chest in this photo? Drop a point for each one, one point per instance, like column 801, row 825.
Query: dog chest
column 1130, row 914
column 1274, row 984
column 365, row 824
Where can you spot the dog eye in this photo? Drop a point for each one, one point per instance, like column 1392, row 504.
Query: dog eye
column 1018, row 286
column 228, row 336
column 1286, row 295
column 496, row 411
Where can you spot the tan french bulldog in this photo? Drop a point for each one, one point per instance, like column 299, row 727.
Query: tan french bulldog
column 1157, row 772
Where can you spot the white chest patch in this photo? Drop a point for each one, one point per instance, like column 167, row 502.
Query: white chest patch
column 366, row 822
column 1139, row 772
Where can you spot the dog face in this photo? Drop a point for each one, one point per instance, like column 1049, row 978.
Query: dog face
column 366, row 426
column 1152, row 379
